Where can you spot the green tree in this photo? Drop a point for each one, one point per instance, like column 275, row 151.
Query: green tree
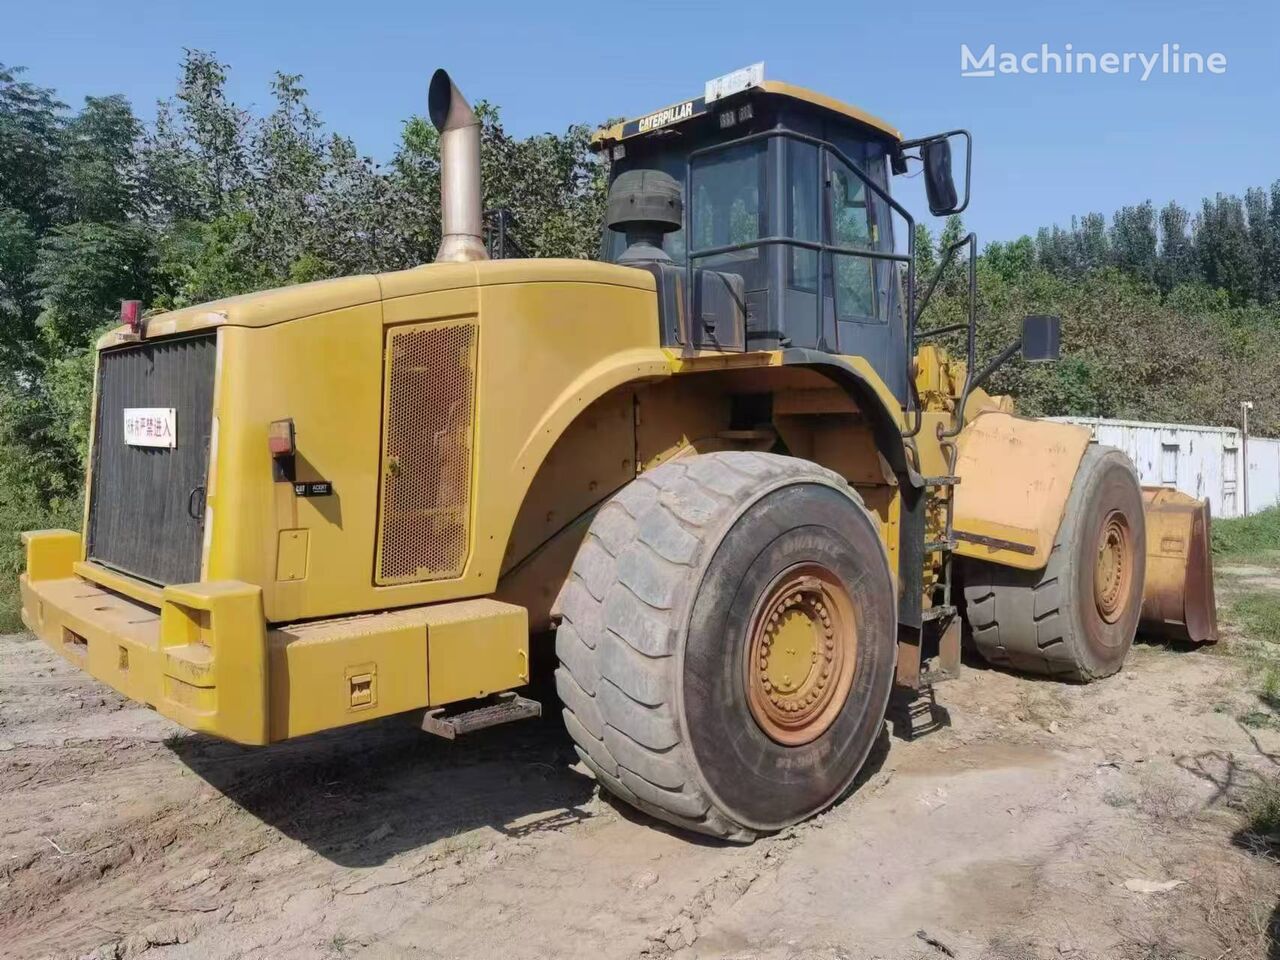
column 1176, row 263
column 1221, row 238
column 1134, row 240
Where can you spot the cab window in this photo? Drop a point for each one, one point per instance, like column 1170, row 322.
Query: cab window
column 859, row 220
column 726, row 187
column 730, row 206
column 803, row 214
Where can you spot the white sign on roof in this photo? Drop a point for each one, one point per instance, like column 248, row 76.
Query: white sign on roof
column 736, row 82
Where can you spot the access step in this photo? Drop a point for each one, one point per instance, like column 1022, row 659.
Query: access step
column 938, row 613
column 503, row 708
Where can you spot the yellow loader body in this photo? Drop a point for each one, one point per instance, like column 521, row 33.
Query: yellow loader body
column 546, row 390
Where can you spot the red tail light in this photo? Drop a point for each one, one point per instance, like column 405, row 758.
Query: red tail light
column 131, row 314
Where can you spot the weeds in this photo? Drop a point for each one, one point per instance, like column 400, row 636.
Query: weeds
column 1118, row 799
column 1258, row 613
column 1257, row 719
column 1269, row 693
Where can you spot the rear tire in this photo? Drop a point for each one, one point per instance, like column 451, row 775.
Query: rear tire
column 683, row 575
column 1076, row 618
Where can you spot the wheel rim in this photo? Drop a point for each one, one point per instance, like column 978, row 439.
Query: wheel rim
column 802, row 654
column 1114, row 570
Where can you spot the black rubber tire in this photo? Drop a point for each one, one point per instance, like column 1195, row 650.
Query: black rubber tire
column 1046, row 621
column 653, row 634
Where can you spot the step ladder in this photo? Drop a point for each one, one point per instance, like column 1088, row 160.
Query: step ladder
column 454, row 721
column 945, row 615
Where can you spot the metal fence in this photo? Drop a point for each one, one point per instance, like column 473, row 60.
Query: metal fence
column 1198, row 460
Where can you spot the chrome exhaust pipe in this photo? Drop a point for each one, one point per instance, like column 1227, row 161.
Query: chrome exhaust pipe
column 461, row 212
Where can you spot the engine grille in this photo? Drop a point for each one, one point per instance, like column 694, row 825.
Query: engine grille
column 146, row 504
column 428, row 407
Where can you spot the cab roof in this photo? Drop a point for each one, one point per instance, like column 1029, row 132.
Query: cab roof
column 688, row 109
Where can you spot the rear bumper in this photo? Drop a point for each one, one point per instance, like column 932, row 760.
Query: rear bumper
column 206, row 658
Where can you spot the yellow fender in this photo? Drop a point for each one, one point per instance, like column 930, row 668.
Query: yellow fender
column 1015, row 476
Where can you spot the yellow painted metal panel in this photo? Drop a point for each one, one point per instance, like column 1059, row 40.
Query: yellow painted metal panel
column 214, row 662
column 199, row 659
column 131, row 587
column 591, row 459
column 203, row 660
column 1015, row 477
column 331, row 674
column 582, row 338
column 476, row 648
column 89, row 626
column 326, row 375
column 51, row 553
column 292, row 554
column 831, row 103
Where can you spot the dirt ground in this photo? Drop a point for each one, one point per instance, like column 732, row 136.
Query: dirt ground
column 1034, row 820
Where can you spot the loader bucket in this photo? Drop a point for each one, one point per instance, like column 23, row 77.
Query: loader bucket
column 1178, row 600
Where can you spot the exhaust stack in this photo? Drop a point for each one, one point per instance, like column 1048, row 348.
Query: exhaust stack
column 461, row 213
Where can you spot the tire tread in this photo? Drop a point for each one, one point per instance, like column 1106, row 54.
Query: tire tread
column 623, row 716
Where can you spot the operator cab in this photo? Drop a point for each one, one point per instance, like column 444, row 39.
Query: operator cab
column 782, row 234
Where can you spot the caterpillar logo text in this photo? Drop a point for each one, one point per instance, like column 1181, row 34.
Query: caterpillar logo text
column 681, row 111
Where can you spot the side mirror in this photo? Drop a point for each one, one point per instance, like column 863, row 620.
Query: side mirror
column 1041, row 338
column 939, row 184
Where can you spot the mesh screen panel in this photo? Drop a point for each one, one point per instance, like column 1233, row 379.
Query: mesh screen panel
column 428, row 408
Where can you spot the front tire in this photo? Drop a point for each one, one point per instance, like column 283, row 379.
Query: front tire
column 727, row 642
column 1076, row 618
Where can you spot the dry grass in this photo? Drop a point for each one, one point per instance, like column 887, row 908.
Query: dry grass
column 1262, row 809
column 1002, row 948
column 1164, row 800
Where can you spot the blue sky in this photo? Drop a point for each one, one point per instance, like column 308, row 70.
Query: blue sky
column 1046, row 147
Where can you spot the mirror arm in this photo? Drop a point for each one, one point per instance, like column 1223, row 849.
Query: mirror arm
column 937, row 273
column 998, row 361
column 971, row 347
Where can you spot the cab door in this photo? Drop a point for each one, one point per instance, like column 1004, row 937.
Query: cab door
column 865, row 300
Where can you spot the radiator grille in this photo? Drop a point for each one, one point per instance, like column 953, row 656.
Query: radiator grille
column 428, row 408
column 146, row 504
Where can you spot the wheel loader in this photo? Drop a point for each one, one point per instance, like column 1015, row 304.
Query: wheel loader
column 727, row 466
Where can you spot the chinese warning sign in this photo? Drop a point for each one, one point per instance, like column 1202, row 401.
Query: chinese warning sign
column 151, row 427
